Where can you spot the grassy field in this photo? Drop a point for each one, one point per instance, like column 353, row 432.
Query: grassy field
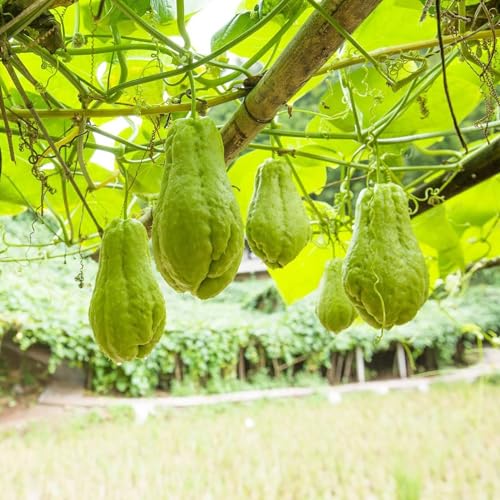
column 444, row 444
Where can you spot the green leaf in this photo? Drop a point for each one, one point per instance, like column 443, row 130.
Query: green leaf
column 317, row 150
column 292, row 8
column 344, row 149
column 465, row 209
column 145, row 176
column 461, row 230
column 18, row 187
column 242, row 177
column 481, row 242
column 114, row 15
column 303, row 274
column 433, row 229
column 238, row 25
column 106, row 204
column 313, row 178
column 163, row 11
column 249, row 46
column 372, row 97
column 404, row 25
column 462, row 81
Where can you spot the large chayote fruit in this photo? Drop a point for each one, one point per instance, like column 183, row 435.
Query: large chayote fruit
column 334, row 308
column 127, row 310
column 197, row 228
column 384, row 272
column 277, row 226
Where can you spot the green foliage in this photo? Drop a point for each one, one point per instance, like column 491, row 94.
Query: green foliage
column 268, row 300
column 236, row 27
column 203, row 343
column 357, row 119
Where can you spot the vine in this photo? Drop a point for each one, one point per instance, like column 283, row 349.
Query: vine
column 56, row 111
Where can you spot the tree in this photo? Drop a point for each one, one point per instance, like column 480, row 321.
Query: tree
column 409, row 96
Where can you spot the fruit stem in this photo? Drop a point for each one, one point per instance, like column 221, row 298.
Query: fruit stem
column 181, row 25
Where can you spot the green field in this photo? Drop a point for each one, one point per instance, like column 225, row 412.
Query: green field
column 443, row 444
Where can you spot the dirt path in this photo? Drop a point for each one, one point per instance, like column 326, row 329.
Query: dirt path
column 59, row 400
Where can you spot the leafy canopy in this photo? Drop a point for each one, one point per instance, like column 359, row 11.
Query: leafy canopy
column 104, row 80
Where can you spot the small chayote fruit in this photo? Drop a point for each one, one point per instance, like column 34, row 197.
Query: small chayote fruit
column 197, row 228
column 334, row 309
column 127, row 309
column 277, row 226
column 384, row 271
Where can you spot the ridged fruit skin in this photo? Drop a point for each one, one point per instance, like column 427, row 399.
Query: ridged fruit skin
column 334, row 309
column 277, row 226
column 197, row 228
column 384, row 271
column 127, row 310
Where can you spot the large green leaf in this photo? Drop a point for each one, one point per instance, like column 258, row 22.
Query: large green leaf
column 434, row 229
column 462, row 230
column 303, row 274
column 105, row 204
column 237, row 26
column 163, row 10
column 242, row 177
column 476, row 206
column 19, row 188
column 248, row 47
column 462, row 81
column 145, row 175
column 394, row 22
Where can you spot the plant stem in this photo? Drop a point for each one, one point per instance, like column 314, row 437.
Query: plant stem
column 206, row 59
column 46, row 136
column 309, row 135
column 181, row 26
column 122, row 60
column 431, row 135
column 347, row 36
column 27, row 15
column 445, row 76
column 380, row 140
column 407, row 47
column 16, row 113
column 79, row 153
column 349, row 97
column 79, row 83
column 89, row 250
column 158, row 35
column 303, row 154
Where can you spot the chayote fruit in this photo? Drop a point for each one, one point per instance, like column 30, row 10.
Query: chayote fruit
column 127, row 309
column 384, row 271
column 277, row 225
column 197, row 228
column 334, row 309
